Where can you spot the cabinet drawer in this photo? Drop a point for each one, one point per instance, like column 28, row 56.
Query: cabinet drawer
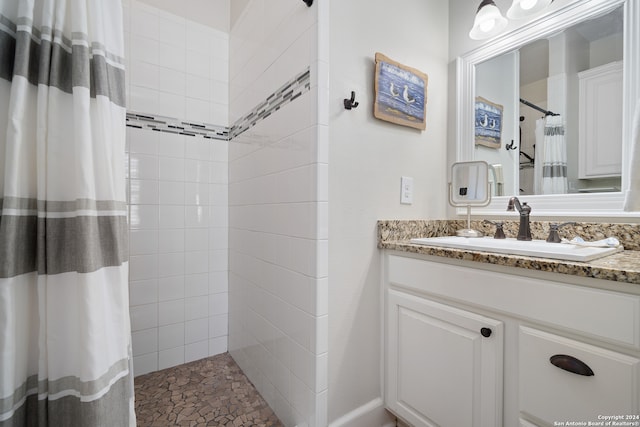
column 605, row 315
column 550, row 394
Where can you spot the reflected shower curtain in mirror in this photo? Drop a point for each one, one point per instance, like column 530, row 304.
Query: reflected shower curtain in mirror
column 551, row 157
column 65, row 336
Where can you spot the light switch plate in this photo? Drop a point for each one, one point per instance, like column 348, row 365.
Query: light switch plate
column 406, row 190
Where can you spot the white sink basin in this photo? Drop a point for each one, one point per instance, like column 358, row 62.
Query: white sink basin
column 534, row 248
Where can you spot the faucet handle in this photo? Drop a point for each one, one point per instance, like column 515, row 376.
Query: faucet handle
column 499, row 231
column 554, row 237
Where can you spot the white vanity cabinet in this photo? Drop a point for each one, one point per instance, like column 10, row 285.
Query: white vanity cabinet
column 468, row 344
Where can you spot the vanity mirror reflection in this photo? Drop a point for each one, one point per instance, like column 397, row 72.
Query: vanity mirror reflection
column 572, row 74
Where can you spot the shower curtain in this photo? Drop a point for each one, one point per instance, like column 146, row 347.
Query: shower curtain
column 551, row 157
column 65, row 353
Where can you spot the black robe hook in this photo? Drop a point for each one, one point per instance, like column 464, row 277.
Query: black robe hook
column 308, row 2
column 351, row 103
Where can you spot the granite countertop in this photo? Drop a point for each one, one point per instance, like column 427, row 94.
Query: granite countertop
column 620, row 267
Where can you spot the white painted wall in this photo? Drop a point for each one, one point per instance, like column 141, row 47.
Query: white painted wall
column 606, row 50
column 177, row 189
column 367, row 157
column 278, row 214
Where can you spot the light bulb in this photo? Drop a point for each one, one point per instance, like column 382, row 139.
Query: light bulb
column 487, row 25
column 488, row 21
column 521, row 9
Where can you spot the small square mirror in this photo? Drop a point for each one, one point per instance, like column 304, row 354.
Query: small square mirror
column 469, row 184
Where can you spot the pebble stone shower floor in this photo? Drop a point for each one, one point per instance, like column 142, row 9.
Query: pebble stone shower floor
column 207, row 392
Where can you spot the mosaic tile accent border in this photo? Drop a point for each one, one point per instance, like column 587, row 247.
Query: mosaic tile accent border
column 287, row 93
column 284, row 95
column 171, row 125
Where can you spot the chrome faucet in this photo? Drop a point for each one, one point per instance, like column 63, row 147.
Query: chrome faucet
column 524, row 232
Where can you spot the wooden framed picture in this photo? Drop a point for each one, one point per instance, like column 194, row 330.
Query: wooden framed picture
column 400, row 93
column 488, row 123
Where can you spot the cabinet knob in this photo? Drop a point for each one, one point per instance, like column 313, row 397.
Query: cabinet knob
column 571, row 364
column 485, row 332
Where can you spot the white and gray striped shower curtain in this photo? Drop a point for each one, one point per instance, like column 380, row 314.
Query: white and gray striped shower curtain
column 550, row 170
column 65, row 353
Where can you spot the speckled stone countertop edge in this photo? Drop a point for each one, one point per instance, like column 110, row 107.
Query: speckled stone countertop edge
column 620, row 267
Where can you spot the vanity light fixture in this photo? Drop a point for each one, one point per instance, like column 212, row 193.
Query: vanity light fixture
column 521, row 9
column 489, row 21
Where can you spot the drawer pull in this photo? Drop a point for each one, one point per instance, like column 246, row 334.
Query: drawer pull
column 571, row 364
column 485, row 332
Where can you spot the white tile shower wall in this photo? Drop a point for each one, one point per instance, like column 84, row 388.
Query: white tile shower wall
column 178, row 245
column 268, row 46
column 177, row 68
column 178, row 190
column 278, row 222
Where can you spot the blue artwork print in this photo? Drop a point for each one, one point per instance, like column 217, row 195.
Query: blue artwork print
column 400, row 93
column 488, row 123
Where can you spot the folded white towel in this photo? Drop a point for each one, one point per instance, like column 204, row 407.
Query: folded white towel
column 609, row 242
column 632, row 196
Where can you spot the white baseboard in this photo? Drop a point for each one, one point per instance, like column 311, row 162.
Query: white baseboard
column 371, row 414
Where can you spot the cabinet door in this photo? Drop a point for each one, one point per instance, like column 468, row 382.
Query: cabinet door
column 443, row 364
column 600, row 131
